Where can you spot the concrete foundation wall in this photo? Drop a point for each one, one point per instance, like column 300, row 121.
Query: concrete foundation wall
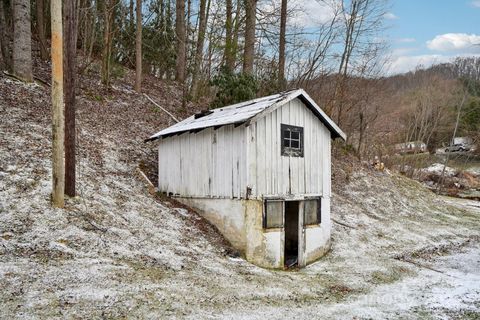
column 228, row 215
column 240, row 222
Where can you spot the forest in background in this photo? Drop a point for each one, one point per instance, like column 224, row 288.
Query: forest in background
column 224, row 51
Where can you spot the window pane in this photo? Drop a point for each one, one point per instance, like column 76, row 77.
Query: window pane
column 292, row 140
column 312, row 212
column 273, row 214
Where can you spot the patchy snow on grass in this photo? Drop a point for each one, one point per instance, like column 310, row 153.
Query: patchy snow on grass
column 437, row 168
column 115, row 251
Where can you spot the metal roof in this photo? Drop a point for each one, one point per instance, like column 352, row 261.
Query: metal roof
column 248, row 111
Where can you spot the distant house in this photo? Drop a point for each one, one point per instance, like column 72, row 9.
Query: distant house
column 260, row 172
column 463, row 140
column 411, row 147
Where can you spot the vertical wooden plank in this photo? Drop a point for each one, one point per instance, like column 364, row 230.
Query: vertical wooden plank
column 213, row 164
column 308, row 150
column 275, row 155
column 228, row 163
column 252, row 140
column 268, row 153
column 301, row 167
column 222, row 161
column 279, row 168
column 294, row 160
column 321, row 145
column 314, row 166
column 160, row 166
column 285, row 160
column 261, row 156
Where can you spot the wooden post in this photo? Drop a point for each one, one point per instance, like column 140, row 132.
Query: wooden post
column 58, row 165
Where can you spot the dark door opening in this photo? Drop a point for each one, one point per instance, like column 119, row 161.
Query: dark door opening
column 291, row 234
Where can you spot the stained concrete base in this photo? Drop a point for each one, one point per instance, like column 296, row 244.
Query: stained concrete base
column 240, row 222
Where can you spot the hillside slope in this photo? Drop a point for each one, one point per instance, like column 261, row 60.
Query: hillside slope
column 115, row 251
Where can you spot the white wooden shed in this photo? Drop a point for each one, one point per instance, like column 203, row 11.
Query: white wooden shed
column 259, row 171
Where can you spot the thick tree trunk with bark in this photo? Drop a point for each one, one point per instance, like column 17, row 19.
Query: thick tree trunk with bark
column 249, row 50
column 39, row 4
column 5, row 46
column 138, row 49
column 58, row 168
column 70, row 51
column 281, row 51
column 22, row 45
column 181, row 39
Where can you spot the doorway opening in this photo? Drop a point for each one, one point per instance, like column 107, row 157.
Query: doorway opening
column 291, row 234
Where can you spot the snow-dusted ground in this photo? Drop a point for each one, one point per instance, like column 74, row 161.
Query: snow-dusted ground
column 438, row 168
column 398, row 250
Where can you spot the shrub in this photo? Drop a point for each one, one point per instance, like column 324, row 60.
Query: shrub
column 233, row 88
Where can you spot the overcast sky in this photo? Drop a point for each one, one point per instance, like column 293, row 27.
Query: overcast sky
column 431, row 31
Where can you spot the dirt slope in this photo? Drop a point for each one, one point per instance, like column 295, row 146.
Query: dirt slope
column 115, row 251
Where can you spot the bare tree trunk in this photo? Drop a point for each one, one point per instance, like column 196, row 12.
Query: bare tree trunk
column 181, row 45
column 109, row 16
column 41, row 29
column 202, row 25
column 445, row 164
column 249, row 50
column 5, row 38
column 132, row 17
column 22, row 46
column 58, row 168
column 281, row 51
column 70, row 51
column 228, row 52
column 138, row 49
column 236, row 31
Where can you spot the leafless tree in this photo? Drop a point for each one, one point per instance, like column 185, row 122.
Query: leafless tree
column 22, row 46
column 138, row 48
column 70, row 71
column 5, row 40
column 181, row 41
column 249, row 50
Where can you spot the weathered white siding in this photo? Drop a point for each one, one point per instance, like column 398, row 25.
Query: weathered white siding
column 223, row 162
column 210, row 163
column 270, row 173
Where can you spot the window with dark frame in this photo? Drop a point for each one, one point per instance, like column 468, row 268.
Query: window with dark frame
column 273, row 214
column 312, row 212
column 292, row 140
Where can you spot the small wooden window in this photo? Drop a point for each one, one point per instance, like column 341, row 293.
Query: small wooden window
column 292, row 140
column 273, row 214
column 312, row 212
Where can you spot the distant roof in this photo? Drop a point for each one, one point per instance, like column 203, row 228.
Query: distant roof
column 248, row 111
